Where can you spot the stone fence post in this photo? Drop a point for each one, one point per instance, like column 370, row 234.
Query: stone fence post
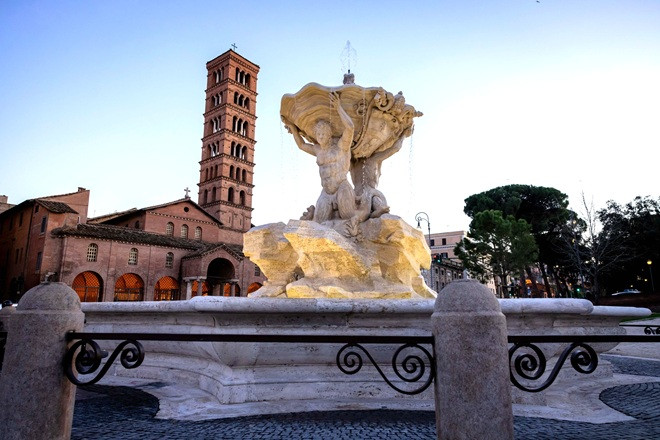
column 472, row 387
column 36, row 398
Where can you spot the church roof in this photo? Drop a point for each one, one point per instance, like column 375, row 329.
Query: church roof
column 50, row 205
column 138, row 236
column 130, row 235
column 133, row 211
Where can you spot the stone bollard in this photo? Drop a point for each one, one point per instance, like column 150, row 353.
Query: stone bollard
column 36, row 398
column 472, row 388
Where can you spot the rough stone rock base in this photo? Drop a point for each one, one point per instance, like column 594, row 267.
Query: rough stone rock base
column 305, row 259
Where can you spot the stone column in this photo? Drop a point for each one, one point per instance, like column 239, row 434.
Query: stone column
column 472, row 388
column 36, row 398
column 188, row 287
column 199, row 286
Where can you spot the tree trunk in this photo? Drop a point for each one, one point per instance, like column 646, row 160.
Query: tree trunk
column 545, row 278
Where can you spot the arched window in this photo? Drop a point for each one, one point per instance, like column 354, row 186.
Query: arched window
column 213, row 194
column 198, row 233
column 169, row 228
column 247, row 103
column 184, row 231
column 137, row 224
column 166, row 289
column 244, row 153
column 230, row 195
column 233, row 148
column 237, row 73
column 244, row 176
column 215, row 171
column 169, row 260
column 88, row 286
column 206, row 196
column 92, row 252
column 233, row 123
column 207, row 174
column 247, row 80
column 242, row 197
column 245, row 129
column 129, row 287
column 133, row 257
column 239, row 126
column 231, row 171
column 235, row 97
column 237, row 176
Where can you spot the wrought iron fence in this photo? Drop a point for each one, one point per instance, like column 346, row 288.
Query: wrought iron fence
column 411, row 362
column 648, row 329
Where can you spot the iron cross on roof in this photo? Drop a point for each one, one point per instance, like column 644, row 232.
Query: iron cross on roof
column 233, row 45
column 187, row 191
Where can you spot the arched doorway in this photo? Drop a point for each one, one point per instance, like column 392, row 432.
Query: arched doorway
column 129, row 287
column 254, row 287
column 220, row 276
column 166, row 289
column 88, row 286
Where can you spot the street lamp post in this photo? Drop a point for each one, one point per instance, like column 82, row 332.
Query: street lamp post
column 650, row 263
column 424, row 216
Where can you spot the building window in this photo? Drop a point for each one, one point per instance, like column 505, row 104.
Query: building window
column 137, row 224
column 257, row 271
column 92, row 252
column 43, row 225
column 184, row 231
column 242, row 198
column 36, row 208
column 169, row 260
column 38, row 261
column 432, row 242
column 133, row 257
column 198, row 233
column 444, row 241
column 169, row 229
column 230, row 195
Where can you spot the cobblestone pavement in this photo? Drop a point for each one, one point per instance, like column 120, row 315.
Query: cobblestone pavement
column 127, row 413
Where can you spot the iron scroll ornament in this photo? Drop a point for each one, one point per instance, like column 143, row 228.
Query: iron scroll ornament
column 87, row 360
column 532, row 365
column 349, row 361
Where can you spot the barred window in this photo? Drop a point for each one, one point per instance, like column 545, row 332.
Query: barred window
column 169, row 259
column 198, row 233
column 169, row 229
column 133, row 257
column 92, row 252
column 184, row 231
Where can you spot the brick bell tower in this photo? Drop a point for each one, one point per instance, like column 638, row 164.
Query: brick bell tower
column 227, row 165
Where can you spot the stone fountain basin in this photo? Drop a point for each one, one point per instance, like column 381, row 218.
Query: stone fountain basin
column 257, row 372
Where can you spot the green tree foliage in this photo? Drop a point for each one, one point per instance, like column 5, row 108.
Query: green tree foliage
column 497, row 246
column 636, row 229
column 544, row 209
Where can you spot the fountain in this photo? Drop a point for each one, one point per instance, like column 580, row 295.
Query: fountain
column 347, row 245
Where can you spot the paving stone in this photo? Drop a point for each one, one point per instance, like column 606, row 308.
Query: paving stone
column 125, row 413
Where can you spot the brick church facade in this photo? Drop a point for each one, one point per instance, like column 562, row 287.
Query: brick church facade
column 170, row 251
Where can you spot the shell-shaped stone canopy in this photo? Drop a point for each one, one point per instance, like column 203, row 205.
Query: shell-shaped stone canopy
column 379, row 117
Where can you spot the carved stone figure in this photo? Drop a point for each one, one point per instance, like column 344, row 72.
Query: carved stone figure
column 347, row 245
column 333, row 156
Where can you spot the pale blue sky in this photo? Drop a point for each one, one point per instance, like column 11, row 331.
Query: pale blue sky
column 109, row 95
